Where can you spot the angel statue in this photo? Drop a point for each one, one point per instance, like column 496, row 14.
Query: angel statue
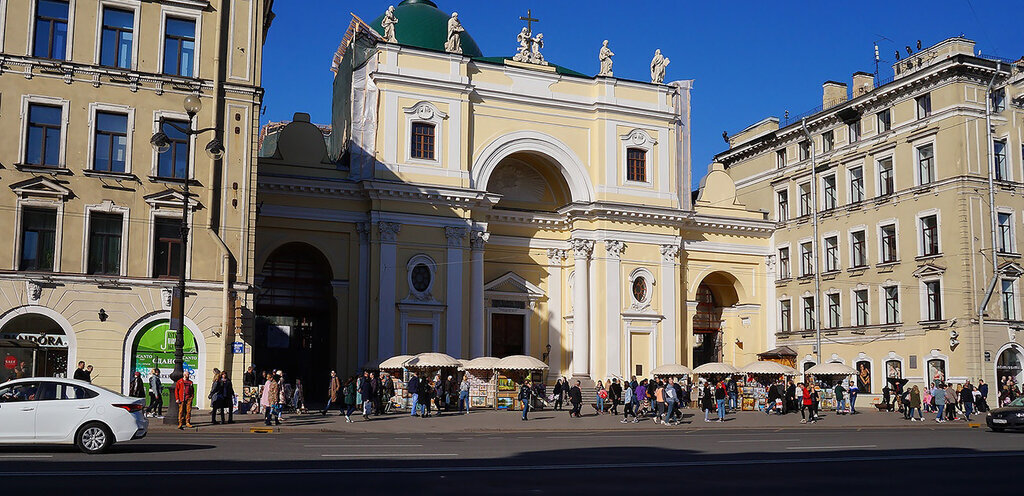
column 605, row 56
column 388, row 23
column 455, row 30
column 524, row 39
column 538, row 43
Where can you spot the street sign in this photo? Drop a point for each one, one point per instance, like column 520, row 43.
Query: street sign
column 10, row 362
column 237, row 347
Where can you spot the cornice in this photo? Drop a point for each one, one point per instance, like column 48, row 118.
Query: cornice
column 71, row 72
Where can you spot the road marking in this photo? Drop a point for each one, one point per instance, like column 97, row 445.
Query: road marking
column 363, row 446
column 831, row 447
column 760, row 441
column 385, row 455
column 25, row 456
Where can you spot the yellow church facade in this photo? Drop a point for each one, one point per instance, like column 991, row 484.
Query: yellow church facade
column 490, row 207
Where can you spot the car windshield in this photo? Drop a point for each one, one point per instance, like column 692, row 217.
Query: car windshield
column 1017, row 402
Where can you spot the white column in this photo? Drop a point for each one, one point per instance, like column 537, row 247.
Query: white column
column 477, row 239
column 556, row 258
column 582, row 250
column 388, row 274
column 363, row 305
column 771, row 315
column 670, row 305
column 453, row 291
column 613, row 307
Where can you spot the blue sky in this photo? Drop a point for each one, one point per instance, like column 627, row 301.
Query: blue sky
column 749, row 59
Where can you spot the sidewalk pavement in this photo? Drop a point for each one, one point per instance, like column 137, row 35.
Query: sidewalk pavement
column 490, row 421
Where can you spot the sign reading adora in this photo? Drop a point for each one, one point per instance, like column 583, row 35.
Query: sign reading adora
column 42, row 339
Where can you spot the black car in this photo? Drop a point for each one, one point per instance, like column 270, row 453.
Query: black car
column 1008, row 417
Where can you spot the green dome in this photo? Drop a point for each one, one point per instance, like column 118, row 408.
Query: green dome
column 421, row 24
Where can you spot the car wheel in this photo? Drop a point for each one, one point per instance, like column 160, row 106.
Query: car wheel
column 94, row 438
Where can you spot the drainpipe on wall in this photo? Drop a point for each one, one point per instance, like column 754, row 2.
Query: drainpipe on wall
column 992, row 220
column 814, row 241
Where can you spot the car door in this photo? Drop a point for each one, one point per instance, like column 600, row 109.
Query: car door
column 61, row 409
column 18, row 412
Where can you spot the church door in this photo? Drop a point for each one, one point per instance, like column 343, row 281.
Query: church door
column 507, row 334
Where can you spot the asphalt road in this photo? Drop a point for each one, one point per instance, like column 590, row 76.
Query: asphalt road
column 796, row 460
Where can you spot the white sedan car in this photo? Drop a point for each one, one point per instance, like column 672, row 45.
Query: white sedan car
column 47, row 410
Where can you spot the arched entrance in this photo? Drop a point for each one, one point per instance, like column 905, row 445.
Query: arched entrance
column 41, row 326
column 294, row 314
column 1010, row 364
column 529, row 181
column 715, row 292
column 151, row 346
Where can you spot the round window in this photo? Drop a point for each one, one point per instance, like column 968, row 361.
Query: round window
column 420, row 278
column 640, row 289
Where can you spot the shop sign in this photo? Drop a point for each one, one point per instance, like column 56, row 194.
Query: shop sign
column 42, row 339
column 10, row 362
column 237, row 347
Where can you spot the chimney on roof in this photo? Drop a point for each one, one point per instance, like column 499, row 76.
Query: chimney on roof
column 863, row 82
column 833, row 93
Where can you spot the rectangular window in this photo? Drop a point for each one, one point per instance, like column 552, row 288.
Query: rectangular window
column 636, row 165
column 1009, row 300
column 926, row 164
column 785, row 316
column 856, row 184
column 861, row 314
column 999, row 149
column 783, row 200
column 885, row 181
column 43, row 139
column 929, row 235
column 853, row 131
column 117, row 37
column 806, row 259
column 110, row 143
column 422, row 141
column 105, row 243
column 892, row 304
column 51, row 36
column 808, row 312
column 829, row 197
column 831, row 254
column 38, row 239
column 858, row 249
column 167, row 247
column 998, row 100
column 884, row 119
column 933, row 300
column 888, row 238
column 174, row 162
column 1005, row 232
column 180, row 47
column 784, row 270
column 805, row 199
column 780, row 158
column 834, row 312
column 805, row 150
column 924, row 105
column 828, row 141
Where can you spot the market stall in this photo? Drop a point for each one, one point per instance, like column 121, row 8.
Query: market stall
column 783, row 355
column 432, row 366
column 481, row 376
column 511, row 372
column 758, row 378
column 826, row 376
column 395, row 367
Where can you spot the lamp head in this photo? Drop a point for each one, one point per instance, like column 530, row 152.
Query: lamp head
column 192, row 105
column 160, row 141
column 215, row 149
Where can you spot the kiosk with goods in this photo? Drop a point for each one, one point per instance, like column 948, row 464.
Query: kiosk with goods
column 511, row 372
column 714, row 372
column 758, row 378
column 430, row 366
column 395, row 367
column 826, row 376
column 481, row 376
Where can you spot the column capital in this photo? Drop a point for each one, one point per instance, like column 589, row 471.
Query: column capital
column 582, row 248
column 455, row 236
column 769, row 263
column 556, row 255
column 614, row 248
column 388, row 231
column 363, row 229
column 669, row 252
column 477, row 239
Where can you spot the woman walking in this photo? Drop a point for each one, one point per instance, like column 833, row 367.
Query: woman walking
column 805, row 401
column 425, row 397
column 350, row 398
column 156, row 398
column 333, row 390
column 557, row 392
column 602, row 394
column 812, row 408
column 628, row 399
column 915, row 404
column 223, row 399
column 707, row 401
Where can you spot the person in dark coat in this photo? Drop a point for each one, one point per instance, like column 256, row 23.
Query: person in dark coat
column 615, row 394
column 576, row 398
column 137, row 389
column 558, row 394
column 222, row 396
column 366, row 391
column 426, row 394
column 80, row 374
column 413, row 388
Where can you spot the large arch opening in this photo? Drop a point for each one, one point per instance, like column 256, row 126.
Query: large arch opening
column 1010, row 364
column 295, row 311
column 715, row 292
column 530, row 182
column 51, row 359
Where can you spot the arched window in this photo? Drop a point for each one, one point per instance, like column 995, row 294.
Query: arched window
column 707, row 319
column 296, row 275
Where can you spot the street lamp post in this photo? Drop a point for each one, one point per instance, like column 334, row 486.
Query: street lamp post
column 215, row 149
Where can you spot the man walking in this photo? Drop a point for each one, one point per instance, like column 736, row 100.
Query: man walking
column 671, row 400
column 464, row 395
column 333, row 390
column 733, row 394
column 526, row 396
column 853, row 397
column 366, row 391
column 183, row 394
column 576, row 398
column 414, row 389
column 720, row 395
column 80, row 374
column 939, row 397
column 615, row 394
column 156, row 399
column 967, row 400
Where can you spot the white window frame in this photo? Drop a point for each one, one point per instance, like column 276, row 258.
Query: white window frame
column 853, row 306
column 1007, row 170
column 65, row 106
column 883, row 305
column 180, row 13
column 158, row 118
column 878, row 120
column 803, row 312
column 828, row 308
column 784, row 155
column 824, row 192
column 1016, row 299
column 107, row 207
column 19, row 208
column 878, row 174
column 849, row 184
column 831, row 146
column 878, row 229
column 1012, row 246
column 68, row 56
column 919, row 221
column 800, row 199
column 421, row 258
column 838, row 265
column 789, row 250
column 800, row 248
column 639, row 139
column 917, row 162
column 801, row 156
column 853, row 131
column 168, row 213
column 998, row 99
column 424, row 112
column 923, row 292
column 919, row 111
column 134, row 6
column 850, row 233
column 934, row 355
column 95, row 108
column 789, row 204
column 781, row 327
column 648, row 279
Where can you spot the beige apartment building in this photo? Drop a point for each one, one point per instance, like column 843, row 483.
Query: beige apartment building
column 885, row 224
column 92, row 210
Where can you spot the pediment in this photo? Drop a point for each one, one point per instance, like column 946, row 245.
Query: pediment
column 638, row 137
column 41, row 187
column 928, row 270
column 425, row 111
column 512, row 284
column 1011, row 269
column 170, row 198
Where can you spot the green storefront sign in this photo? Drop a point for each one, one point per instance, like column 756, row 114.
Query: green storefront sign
column 154, row 348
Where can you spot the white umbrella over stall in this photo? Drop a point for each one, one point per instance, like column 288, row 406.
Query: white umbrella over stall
column 481, row 363
column 832, row 368
column 767, row 368
column 395, row 362
column 432, row 361
column 716, row 368
column 520, row 362
column 674, row 370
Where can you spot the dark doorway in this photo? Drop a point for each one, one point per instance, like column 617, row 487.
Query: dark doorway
column 294, row 318
column 707, row 325
column 507, row 334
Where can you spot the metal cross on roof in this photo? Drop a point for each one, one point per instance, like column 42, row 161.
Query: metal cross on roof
column 529, row 20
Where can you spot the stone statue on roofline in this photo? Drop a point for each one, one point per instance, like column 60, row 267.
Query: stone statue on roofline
column 605, row 56
column 388, row 23
column 529, row 48
column 658, row 65
column 455, row 30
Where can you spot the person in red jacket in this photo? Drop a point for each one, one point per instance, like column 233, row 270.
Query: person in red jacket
column 183, row 394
